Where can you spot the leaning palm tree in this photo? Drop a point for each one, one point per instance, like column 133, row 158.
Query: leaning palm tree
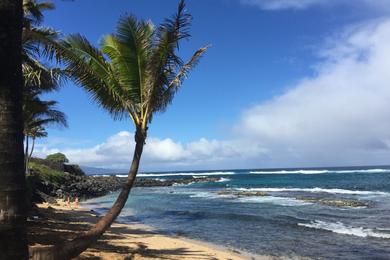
column 134, row 73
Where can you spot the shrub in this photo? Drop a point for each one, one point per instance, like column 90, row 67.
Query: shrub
column 45, row 173
column 57, row 157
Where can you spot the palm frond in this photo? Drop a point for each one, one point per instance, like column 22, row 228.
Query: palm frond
column 39, row 114
column 37, row 132
column 165, row 63
column 41, row 77
column 33, row 10
column 87, row 66
column 129, row 50
column 40, row 42
column 185, row 69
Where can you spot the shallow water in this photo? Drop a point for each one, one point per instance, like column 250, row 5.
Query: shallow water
column 277, row 224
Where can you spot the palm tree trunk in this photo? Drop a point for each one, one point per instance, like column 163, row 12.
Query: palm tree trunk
column 26, row 155
column 13, row 240
column 76, row 246
column 32, row 149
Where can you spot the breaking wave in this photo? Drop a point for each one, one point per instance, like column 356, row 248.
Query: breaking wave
column 282, row 201
column 180, row 174
column 340, row 228
column 320, row 171
column 316, row 190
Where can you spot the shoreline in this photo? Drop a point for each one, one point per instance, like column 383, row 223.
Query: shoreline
column 122, row 240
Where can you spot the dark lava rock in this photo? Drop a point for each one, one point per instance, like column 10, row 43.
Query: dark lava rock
column 73, row 169
column 336, row 202
column 172, row 182
column 86, row 187
column 243, row 193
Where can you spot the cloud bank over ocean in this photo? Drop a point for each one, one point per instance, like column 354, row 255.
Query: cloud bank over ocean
column 341, row 115
column 303, row 4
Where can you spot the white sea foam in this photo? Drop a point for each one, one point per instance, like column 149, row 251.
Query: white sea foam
column 182, row 184
column 101, row 175
column 283, row 201
column 204, row 194
column 364, row 171
column 291, row 172
column 223, row 180
column 182, row 174
column 316, row 190
column 340, row 228
column 320, row 171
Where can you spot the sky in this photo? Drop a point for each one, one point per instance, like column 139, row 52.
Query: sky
column 286, row 83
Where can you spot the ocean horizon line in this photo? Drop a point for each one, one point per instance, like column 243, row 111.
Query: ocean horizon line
column 252, row 170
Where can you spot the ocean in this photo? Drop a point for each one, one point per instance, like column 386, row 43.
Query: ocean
column 322, row 213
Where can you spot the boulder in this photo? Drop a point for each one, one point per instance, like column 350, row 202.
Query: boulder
column 73, row 169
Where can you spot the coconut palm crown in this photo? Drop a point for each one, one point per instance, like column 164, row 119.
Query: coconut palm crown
column 136, row 70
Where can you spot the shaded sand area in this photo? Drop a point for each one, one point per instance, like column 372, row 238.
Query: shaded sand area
column 56, row 223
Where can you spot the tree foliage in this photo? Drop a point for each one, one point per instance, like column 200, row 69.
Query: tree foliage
column 57, row 157
column 136, row 71
column 39, row 78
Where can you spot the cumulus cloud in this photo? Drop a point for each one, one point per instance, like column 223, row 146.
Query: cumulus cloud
column 303, row 4
column 340, row 116
column 116, row 152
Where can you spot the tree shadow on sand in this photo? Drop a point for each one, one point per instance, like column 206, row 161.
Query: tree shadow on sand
column 56, row 226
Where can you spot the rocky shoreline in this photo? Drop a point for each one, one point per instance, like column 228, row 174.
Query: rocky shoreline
column 86, row 187
column 324, row 201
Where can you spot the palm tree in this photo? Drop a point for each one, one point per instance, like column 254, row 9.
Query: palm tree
column 134, row 73
column 13, row 241
column 37, row 115
column 38, row 77
column 36, row 132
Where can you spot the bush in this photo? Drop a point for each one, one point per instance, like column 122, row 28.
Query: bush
column 45, row 173
column 57, row 157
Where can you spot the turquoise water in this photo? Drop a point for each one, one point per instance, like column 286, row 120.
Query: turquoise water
column 280, row 224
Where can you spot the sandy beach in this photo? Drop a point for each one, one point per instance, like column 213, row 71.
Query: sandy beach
column 58, row 222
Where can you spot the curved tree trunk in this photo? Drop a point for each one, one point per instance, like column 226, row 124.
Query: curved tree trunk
column 76, row 246
column 13, row 240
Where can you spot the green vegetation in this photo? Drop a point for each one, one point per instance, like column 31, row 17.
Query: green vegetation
column 57, row 157
column 45, row 173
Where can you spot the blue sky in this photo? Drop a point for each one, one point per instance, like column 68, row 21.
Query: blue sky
column 232, row 111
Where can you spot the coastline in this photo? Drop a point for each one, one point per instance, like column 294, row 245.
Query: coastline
column 121, row 241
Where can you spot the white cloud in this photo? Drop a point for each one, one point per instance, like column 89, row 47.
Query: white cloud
column 303, row 4
column 341, row 116
column 117, row 150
